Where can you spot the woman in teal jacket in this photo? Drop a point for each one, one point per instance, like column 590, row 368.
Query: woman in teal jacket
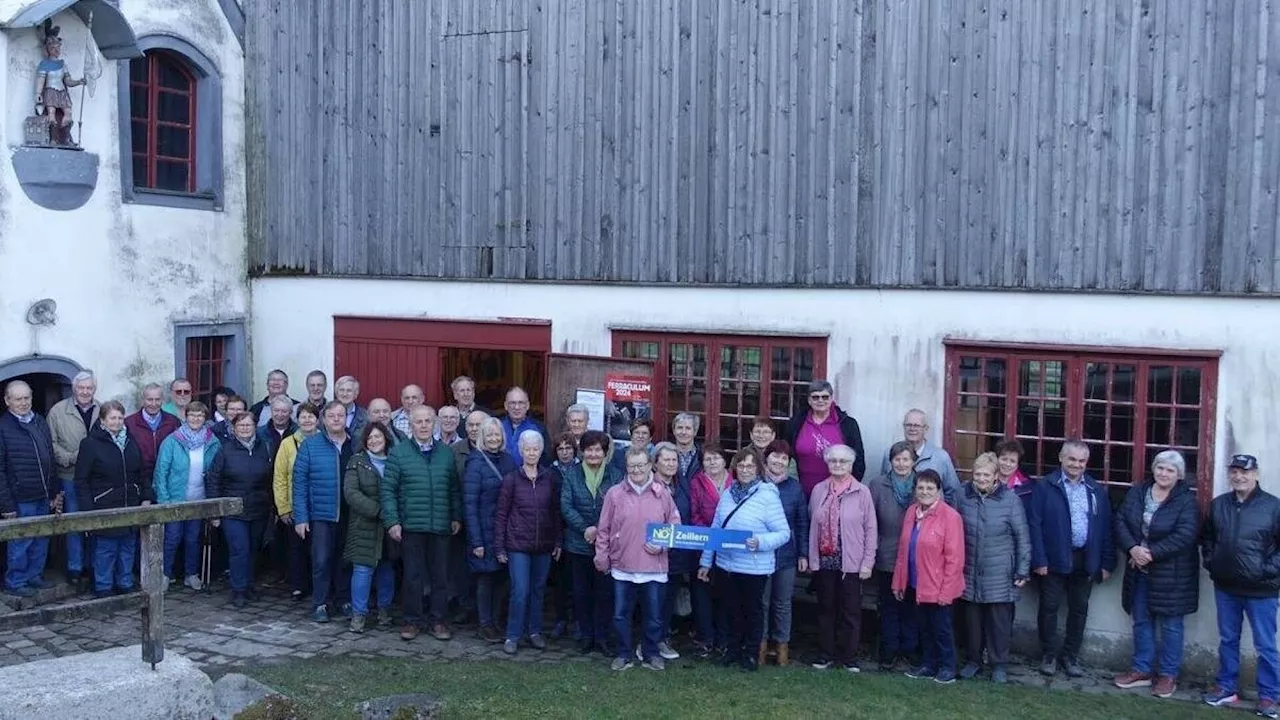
column 184, row 458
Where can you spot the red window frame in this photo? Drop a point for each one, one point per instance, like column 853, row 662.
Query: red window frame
column 151, row 118
column 206, row 365
column 1125, row 403
column 726, row 367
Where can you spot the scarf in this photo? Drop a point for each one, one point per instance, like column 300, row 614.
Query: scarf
column 379, row 462
column 902, row 488
column 829, row 539
column 593, row 477
column 193, row 439
column 739, row 492
column 152, row 421
column 119, row 438
column 248, row 444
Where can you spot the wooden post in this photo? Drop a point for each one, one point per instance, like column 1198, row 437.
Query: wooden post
column 153, row 584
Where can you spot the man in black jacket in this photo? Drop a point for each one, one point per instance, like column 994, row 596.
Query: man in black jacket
column 1241, row 551
column 28, row 486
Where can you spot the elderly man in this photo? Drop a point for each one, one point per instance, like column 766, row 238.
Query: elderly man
column 317, row 384
column 28, row 486
column 318, row 509
column 179, row 397
column 517, row 420
column 448, row 420
column 380, row 412
column 277, row 386
column 1071, row 549
column 576, row 419
column 410, row 397
column 422, row 510
column 915, row 429
column 280, row 424
column 464, row 395
column 150, row 426
column 1241, row 554
column 69, row 423
column 346, row 390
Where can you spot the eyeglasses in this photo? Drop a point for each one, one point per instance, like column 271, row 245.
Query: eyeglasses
column 912, row 426
column 839, row 461
column 181, row 392
column 820, row 396
column 637, row 468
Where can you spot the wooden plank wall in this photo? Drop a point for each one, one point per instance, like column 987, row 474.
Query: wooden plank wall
column 1118, row 145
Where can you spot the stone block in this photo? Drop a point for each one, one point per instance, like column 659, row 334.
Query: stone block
column 106, row 685
column 235, row 692
column 419, row 707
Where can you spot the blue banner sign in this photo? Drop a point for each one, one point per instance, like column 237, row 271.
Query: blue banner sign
column 692, row 537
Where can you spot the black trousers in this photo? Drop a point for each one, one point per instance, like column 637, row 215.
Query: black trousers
column 426, row 559
column 744, row 598
column 839, row 615
column 990, row 624
column 1074, row 587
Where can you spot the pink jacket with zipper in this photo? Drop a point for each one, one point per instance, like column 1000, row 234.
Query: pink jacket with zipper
column 859, row 533
column 623, row 528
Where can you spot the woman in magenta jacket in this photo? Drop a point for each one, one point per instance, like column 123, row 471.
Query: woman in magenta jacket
column 930, row 572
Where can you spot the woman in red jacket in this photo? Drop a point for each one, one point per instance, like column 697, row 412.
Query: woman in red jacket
column 930, row 572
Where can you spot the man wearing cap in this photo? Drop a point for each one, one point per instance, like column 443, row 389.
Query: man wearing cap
column 1239, row 548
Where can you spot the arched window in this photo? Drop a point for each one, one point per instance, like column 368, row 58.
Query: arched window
column 163, row 100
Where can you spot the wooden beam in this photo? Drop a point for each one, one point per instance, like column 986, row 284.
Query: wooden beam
column 70, row 612
column 153, row 585
column 89, row 521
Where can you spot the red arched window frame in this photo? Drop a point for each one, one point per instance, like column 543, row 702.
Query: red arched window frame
column 162, row 102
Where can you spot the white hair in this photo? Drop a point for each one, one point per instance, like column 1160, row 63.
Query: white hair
column 687, row 417
column 1173, row 459
column 531, row 438
column 282, row 401
column 84, row 376
column 840, row 450
column 577, row 408
column 347, row 380
column 492, row 422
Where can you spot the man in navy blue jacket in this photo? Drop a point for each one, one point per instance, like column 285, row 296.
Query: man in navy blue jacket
column 28, row 486
column 1071, row 549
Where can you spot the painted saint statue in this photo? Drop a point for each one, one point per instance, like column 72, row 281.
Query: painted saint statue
column 53, row 80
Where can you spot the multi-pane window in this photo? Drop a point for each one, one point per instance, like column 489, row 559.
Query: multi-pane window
column 1126, row 406
column 162, row 112
column 206, row 365
column 726, row 381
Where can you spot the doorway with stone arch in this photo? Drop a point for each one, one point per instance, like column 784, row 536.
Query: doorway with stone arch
column 48, row 375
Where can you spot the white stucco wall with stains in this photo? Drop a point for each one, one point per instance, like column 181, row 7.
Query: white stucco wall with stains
column 121, row 274
column 885, row 354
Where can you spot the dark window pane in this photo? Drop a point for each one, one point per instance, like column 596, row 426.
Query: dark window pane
column 750, row 400
column 138, row 70
column 1160, row 384
column 802, row 366
column 994, row 415
column 995, row 372
column 1030, row 378
column 174, row 108
column 729, row 398
column 1189, row 386
column 1049, row 452
column 1122, row 421
column 171, row 176
column 1095, row 421
column 172, row 141
column 170, row 73
column 1095, row 381
column 699, row 368
column 1120, row 464
column 1159, row 425
column 140, row 171
column 1029, row 417
column 1055, row 419
column 970, row 371
column 781, row 364
column 138, row 136
column 138, row 106
column 1123, row 378
column 780, row 401
column 1187, row 428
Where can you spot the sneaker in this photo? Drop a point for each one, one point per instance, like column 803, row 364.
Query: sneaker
column 945, row 677
column 922, row 673
column 1133, row 679
column 1217, row 697
column 823, row 664
column 491, row 634
column 538, row 642
column 440, row 631
column 344, row 610
column 667, row 652
column 853, row 667
column 703, row 651
column 639, row 654
column 969, row 671
column 296, row 594
column 23, row 591
column 357, row 624
column 409, row 631
column 1267, row 709
column 384, row 618
column 999, row 675
column 193, row 582
column 509, row 647
column 656, row 663
column 620, row 663
column 1072, row 667
column 1165, row 686
column 320, row 614
column 1049, row 666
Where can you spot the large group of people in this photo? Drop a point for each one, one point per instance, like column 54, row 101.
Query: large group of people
column 444, row 512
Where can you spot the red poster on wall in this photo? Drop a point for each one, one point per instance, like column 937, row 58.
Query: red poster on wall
column 627, row 398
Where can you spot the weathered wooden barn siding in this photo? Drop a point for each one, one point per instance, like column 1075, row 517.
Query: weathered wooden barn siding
column 1083, row 144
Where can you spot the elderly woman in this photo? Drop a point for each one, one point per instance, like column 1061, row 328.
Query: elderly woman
column 892, row 494
column 109, row 475
column 929, row 572
column 566, row 453
column 581, row 500
column 487, row 465
column 575, row 421
column 1009, row 462
column 526, row 538
column 842, row 555
column 824, row 425
column 684, row 429
column 753, row 505
column 789, row 559
column 243, row 469
column 1157, row 526
column 367, row 547
column 763, row 435
column 997, row 563
column 561, row 578
column 185, row 457
column 282, row 487
column 681, row 564
column 638, row 569
column 641, row 435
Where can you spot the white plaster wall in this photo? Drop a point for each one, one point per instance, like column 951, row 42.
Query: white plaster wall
column 121, row 274
column 885, row 349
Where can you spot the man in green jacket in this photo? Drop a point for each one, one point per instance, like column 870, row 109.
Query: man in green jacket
column 422, row 508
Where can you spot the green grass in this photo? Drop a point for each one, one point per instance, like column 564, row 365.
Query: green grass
column 496, row 689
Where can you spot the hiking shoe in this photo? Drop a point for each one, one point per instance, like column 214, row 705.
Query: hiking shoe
column 357, row 624
column 409, row 631
column 1165, row 686
column 1267, row 709
column 384, row 618
column 491, row 634
column 656, row 663
column 945, row 676
column 509, row 647
column 193, row 582
column 1072, row 667
column 823, row 664
column 620, row 663
column 969, row 671
column 538, row 642
column 923, row 673
column 1049, row 666
column 1217, row 697
column 440, row 631
column 667, row 652
column 999, row 675
column 320, row 614
column 1133, row 679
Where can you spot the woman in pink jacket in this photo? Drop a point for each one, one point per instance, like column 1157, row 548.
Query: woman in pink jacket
column 639, row 569
column 930, row 572
column 842, row 554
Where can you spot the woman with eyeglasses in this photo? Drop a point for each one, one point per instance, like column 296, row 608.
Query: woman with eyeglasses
column 812, row 431
column 892, row 494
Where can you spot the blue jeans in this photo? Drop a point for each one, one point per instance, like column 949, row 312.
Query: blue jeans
column 27, row 556
column 650, row 595
column 936, row 637
column 382, row 577
column 187, row 534
column 242, row 544
column 113, row 562
column 1262, row 621
column 1144, row 633
column 528, row 588
column 326, row 562
column 75, row 541
column 778, row 591
column 899, row 629
column 489, row 596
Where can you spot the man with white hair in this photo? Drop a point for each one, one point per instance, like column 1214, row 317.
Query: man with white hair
column 346, row 390
column 448, row 419
column 576, row 418
column 28, row 486
column 915, row 430
column 69, row 421
column 280, row 424
column 277, row 386
column 464, row 395
column 410, row 397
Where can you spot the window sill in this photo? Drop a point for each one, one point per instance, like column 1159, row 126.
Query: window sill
column 164, row 198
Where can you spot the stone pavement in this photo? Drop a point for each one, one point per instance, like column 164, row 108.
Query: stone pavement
column 205, row 628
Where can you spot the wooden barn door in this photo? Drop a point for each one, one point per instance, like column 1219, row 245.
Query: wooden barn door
column 566, row 374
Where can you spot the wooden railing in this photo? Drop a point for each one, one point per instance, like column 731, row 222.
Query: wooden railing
column 150, row 597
